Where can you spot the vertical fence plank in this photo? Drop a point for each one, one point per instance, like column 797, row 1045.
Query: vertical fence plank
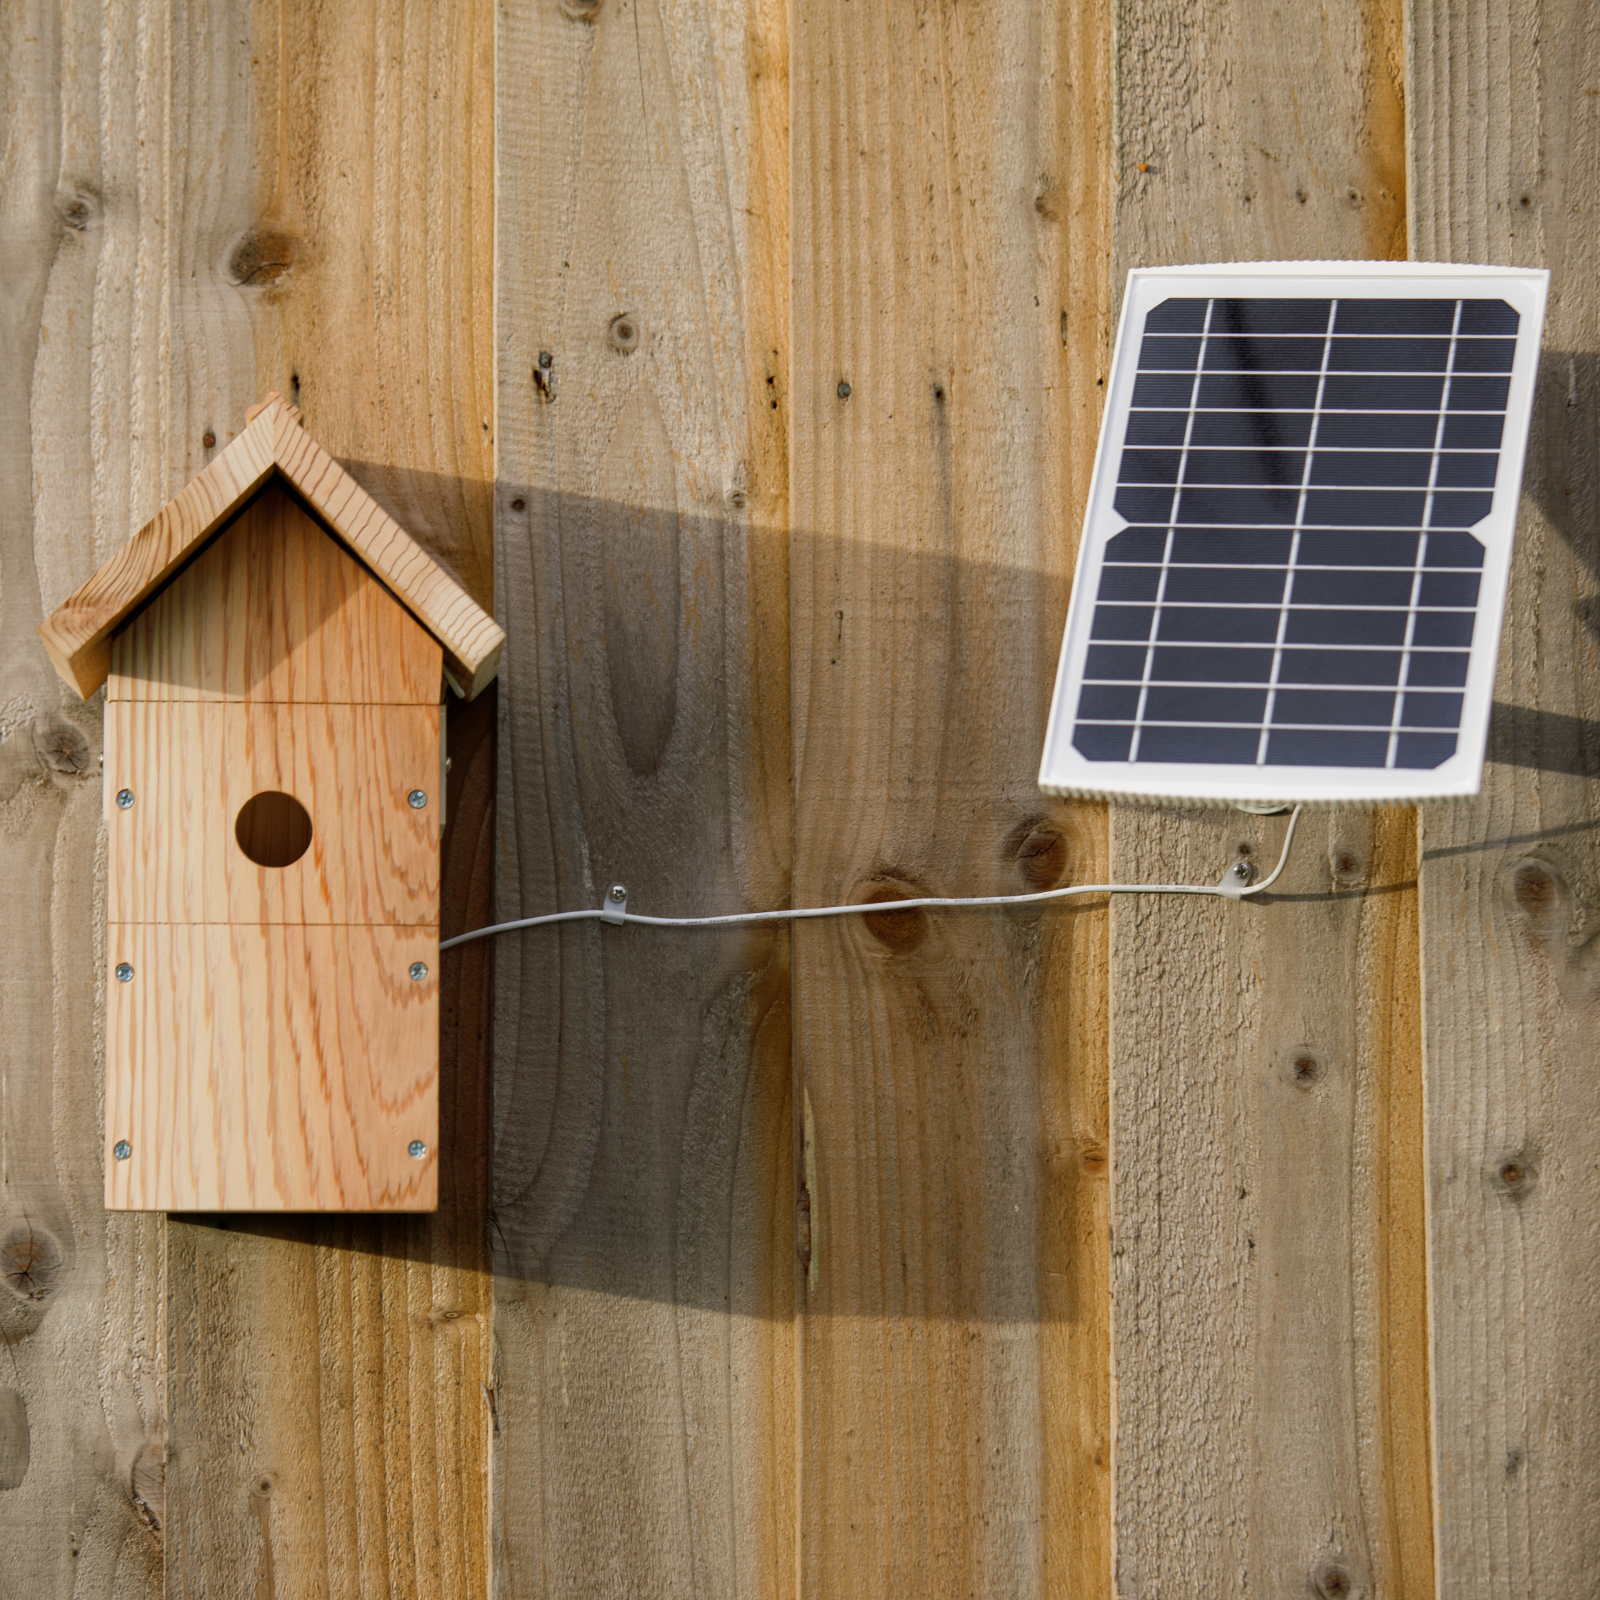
column 1270, row 1425
column 643, row 1191
column 1505, row 141
column 329, row 1414
column 950, row 307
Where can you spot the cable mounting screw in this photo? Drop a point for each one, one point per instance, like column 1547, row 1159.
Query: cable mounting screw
column 618, row 893
column 1243, row 871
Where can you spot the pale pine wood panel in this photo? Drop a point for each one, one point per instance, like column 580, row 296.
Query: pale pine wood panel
column 271, row 1068
column 644, row 1222
column 1505, row 142
column 174, row 855
column 1270, row 1401
column 949, row 265
column 274, row 610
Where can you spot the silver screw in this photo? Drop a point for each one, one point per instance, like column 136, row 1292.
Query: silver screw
column 419, row 971
column 1243, row 871
column 122, row 1149
column 124, row 972
column 618, row 893
column 124, row 799
column 417, row 799
column 416, row 1149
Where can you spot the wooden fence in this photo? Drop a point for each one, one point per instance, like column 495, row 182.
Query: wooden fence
column 748, row 356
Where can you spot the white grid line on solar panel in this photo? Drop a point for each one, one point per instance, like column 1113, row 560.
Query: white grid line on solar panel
column 1279, row 605
column 1427, row 519
column 1172, row 523
column 1226, row 644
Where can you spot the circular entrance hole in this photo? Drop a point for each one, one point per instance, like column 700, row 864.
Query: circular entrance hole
column 273, row 829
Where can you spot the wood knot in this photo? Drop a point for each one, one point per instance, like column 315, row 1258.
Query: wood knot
column 1038, row 849
column 623, row 333
column 1334, row 1582
column 30, row 1263
column 1514, row 1175
column 581, row 10
column 1304, row 1069
column 261, row 257
column 899, row 932
column 1534, row 887
column 61, row 747
column 79, row 209
column 148, row 1486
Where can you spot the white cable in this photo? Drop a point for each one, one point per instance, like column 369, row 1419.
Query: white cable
column 929, row 902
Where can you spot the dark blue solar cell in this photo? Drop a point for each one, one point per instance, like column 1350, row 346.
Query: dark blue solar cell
column 1235, row 506
column 1353, row 667
column 1264, row 430
column 1255, row 391
column 1352, row 586
column 1451, row 629
column 1210, row 664
column 1352, row 508
column 1161, row 354
column 1245, row 467
column 1163, row 389
column 1372, row 469
column 1149, row 466
column 1381, row 393
column 1346, row 627
column 1236, row 546
column 1477, row 394
column 1389, row 355
column 1220, row 585
column 1137, row 544
column 1121, row 622
column 1453, row 550
column 1431, row 711
column 1475, row 471
column 1205, row 705
column 1102, row 743
column 1473, row 431
column 1443, row 669
column 1314, row 747
column 1177, row 316
column 1224, row 354
column 1270, row 316
column 1114, row 661
column 1347, row 430
column 1104, row 703
column 1198, row 744
column 1333, row 707
column 1455, row 509
column 1129, row 583
column 1220, row 625
column 1488, row 316
column 1449, row 589
column 1413, row 750
column 1157, row 427
column 1395, row 316
column 1484, row 355
column 1343, row 547
column 1143, row 505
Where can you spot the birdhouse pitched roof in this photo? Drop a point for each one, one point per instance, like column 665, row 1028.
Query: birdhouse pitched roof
column 77, row 635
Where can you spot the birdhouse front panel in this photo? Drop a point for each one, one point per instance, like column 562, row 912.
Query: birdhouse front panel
column 274, row 800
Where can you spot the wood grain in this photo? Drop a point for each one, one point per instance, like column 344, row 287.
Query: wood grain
column 174, row 856
column 274, row 610
column 949, row 304
column 644, row 1194
column 1505, row 137
column 267, row 1068
column 1270, row 1416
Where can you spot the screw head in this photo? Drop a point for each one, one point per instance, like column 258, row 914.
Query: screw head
column 124, row 799
column 1243, row 871
column 545, row 359
column 122, row 1149
column 124, row 972
column 419, row 971
column 416, row 1149
column 618, row 893
column 417, row 799
column 844, row 390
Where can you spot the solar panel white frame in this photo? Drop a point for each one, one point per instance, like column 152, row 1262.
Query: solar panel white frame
column 1066, row 771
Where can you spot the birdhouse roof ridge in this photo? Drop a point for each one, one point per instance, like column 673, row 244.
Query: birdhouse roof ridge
column 77, row 635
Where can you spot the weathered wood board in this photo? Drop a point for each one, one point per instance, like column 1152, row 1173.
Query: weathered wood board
column 949, row 315
column 1267, row 1312
column 1504, row 105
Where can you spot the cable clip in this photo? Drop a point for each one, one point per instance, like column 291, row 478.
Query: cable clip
column 1237, row 879
column 614, row 908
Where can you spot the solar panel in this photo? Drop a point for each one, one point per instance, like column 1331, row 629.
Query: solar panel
column 1298, row 541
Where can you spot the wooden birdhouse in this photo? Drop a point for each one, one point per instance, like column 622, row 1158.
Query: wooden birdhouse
column 273, row 646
